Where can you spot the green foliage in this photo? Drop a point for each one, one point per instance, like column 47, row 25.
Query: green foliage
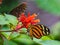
column 50, row 42
column 52, row 6
column 44, row 38
column 8, row 42
column 5, row 28
column 6, row 19
column 14, row 34
column 55, row 31
column 8, row 5
column 2, row 20
column 24, row 30
column 7, row 22
column 11, row 19
column 24, row 40
column 1, row 40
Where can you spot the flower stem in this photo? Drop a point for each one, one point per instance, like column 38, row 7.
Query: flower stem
column 15, row 30
column 8, row 31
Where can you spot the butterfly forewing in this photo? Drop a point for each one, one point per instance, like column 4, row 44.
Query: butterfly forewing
column 19, row 9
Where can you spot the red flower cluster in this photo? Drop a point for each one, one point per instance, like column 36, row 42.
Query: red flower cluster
column 27, row 20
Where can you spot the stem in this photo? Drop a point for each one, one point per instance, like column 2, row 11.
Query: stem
column 1, row 37
column 10, row 30
column 7, row 31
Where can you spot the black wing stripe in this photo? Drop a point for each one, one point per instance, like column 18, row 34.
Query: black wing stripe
column 37, row 26
column 34, row 34
column 37, row 33
column 37, row 30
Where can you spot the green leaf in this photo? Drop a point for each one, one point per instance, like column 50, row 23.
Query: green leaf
column 2, row 20
column 11, row 19
column 50, row 42
column 6, row 28
column 9, row 42
column 44, row 38
column 8, row 5
column 23, row 30
column 55, row 31
column 6, row 19
column 24, row 40
column 14, row 35
column 9, row 35
column 52, row 6
column 1, row 40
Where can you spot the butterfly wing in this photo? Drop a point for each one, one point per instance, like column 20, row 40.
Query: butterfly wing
column 19, row 9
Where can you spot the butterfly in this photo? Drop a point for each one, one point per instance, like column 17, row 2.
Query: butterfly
column 38, row 31
column 19, row 9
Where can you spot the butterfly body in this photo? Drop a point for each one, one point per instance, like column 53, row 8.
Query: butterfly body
column 38, row 31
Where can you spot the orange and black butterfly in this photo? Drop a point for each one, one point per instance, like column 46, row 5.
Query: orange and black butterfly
column 19, row 9
column 38, row 31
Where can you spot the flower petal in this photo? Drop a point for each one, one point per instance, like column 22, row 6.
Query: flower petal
column 32, row 17
column 22, row 17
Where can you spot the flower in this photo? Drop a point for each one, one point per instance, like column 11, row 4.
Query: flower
column 28, row 20
column 19, row 26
